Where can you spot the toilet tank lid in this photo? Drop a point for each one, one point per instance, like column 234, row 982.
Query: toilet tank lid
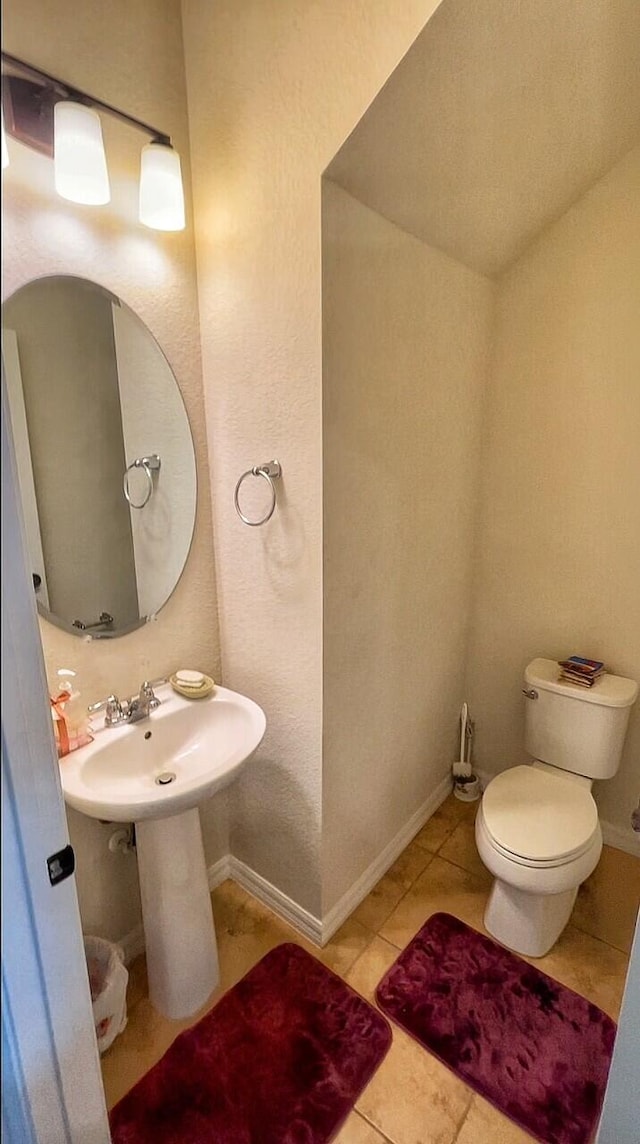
column 608, row 691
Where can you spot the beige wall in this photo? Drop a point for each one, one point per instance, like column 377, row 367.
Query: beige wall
column 558, row 562
column 273, row 91
column 405, row 347
column 129, row 53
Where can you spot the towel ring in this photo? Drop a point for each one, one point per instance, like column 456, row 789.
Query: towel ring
column 269, row 471
column 149, row 465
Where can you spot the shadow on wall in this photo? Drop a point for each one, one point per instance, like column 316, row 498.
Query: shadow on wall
column 293, row 832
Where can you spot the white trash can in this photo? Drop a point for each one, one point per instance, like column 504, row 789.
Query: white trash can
column 108, row 980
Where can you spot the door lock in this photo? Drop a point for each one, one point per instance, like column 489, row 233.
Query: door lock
column 61, row 865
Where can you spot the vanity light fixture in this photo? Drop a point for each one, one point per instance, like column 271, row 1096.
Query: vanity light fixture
column 79, row 161
column 61, row 121
column 161, row 194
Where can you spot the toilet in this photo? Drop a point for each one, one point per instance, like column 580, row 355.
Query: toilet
column 537, row 828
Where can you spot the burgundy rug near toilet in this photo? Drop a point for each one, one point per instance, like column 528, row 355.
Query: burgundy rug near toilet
column 281, row 1059
column 537, row 1050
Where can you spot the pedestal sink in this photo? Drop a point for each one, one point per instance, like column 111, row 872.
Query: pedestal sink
column 155, row 773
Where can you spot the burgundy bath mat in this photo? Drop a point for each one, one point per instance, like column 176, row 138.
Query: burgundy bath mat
column 537, row 1050
column 281, row 1059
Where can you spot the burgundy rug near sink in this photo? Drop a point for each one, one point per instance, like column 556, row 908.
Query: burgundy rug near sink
column 280, row 1060
column 537, row 1050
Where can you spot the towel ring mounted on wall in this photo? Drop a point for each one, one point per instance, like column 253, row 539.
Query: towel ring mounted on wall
column 269, row 471
column 149, row 466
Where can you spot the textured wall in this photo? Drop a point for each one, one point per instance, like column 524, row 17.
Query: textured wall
column 403, row 389
column 273, row 91
column 440, row 151
column 128, row 53
column 558, row 567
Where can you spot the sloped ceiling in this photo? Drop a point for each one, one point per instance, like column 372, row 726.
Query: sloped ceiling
column 502, row 114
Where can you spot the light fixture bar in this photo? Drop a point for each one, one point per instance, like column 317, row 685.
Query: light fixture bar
column 67, row 91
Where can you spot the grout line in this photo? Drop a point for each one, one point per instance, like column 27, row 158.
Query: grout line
column 386, row 1139
column 464, row 1115
column 600, row 940
column 574, row 925
column 345, row 971
column 395, row 905
column 459, row 866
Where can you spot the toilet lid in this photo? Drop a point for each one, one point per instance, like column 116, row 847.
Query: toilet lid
column 537, row 815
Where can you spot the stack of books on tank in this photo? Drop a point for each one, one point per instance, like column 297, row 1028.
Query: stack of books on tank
column 584, row 672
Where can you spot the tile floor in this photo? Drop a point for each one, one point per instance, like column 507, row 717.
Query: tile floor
column 412, row 1099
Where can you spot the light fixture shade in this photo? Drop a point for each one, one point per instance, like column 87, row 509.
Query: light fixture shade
column 161, row 193
column 80, row 166
column 5, row 152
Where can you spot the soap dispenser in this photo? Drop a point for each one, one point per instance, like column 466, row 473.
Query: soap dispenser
column 70, row 723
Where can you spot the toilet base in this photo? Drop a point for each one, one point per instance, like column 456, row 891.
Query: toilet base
column 527, row 923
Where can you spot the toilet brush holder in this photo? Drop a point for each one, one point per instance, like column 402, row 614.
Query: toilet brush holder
column 468, row 789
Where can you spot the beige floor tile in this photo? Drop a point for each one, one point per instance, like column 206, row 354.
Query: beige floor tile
column 357, row 1131
column 391, row 888
column 344, row 948
column 589, row 967
column 460, row 848
column 413, row 1099
column 442, row 886
column 608, row 902
column 246, row 930
column 367, row 972
column 483, row 1124
column 443, row 822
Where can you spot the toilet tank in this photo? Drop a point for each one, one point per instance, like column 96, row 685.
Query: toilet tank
column 574, row 728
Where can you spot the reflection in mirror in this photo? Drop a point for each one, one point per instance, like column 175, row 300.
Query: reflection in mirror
column 105, row 458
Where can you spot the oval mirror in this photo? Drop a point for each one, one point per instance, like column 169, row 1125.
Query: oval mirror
column 105, row 458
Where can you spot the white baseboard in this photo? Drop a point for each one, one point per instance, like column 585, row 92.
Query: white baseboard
column 306, row 923
column 220, row 871
column 619, row 837
column 132, row 944
column 359, row 890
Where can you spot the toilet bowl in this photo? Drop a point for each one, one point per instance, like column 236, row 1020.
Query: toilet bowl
column 539, row 835
column 537, row 828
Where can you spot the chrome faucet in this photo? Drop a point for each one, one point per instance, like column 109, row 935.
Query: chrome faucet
column 141, row 705
column 130, row 710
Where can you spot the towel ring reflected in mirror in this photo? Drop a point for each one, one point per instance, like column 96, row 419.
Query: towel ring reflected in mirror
column 149, row 466
column 269, row 471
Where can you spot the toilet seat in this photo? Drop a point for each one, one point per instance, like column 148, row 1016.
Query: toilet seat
column 538, row 819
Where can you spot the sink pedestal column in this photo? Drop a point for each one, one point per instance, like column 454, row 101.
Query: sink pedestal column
column 182, row 955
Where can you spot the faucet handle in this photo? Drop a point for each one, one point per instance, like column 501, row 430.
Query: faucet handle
column 147, row 693
column 112, row 707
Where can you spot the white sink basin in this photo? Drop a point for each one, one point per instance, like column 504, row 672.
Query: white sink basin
column 204, row 743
